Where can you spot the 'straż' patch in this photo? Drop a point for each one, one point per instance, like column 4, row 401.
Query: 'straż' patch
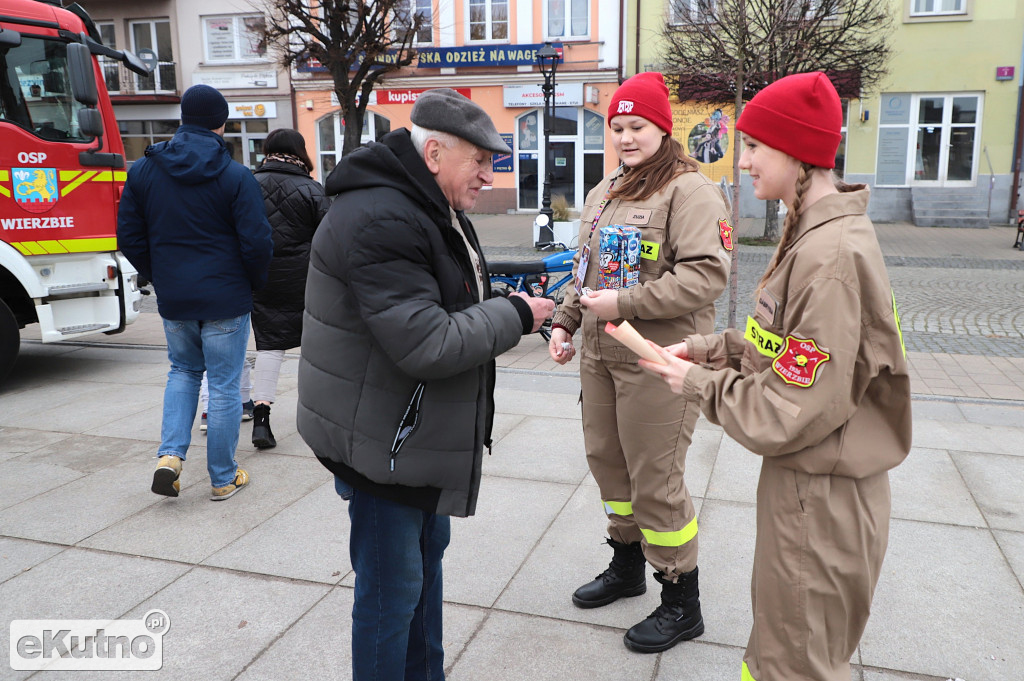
column 798, row 362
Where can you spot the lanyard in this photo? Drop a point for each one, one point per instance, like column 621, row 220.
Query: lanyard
column 581, row 269
column 600, row 209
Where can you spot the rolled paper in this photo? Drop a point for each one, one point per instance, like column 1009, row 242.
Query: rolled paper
column 631, row 338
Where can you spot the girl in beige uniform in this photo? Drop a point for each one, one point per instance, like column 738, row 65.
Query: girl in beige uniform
column 636, row 431
column 817, row 385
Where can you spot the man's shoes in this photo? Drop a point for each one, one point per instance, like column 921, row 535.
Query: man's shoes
column 678, row 618
column 228, row 491
column 165, row 477
column 623, row 578
column 202, row 424
column 262, row 436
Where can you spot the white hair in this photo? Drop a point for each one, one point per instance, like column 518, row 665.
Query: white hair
column 421, row 135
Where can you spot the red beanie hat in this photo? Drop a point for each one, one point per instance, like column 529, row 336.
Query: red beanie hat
column 644, row 95
column 800, row 115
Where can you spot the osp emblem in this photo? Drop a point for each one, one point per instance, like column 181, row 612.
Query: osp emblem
column 625, row 107
column 725, row 230
column 35, row 189
column 798, row 362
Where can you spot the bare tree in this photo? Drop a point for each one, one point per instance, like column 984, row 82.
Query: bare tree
column 722, row 50
column 357, row 43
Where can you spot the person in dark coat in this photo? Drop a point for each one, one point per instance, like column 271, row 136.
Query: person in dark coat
column 191, row 220
column 396, row 379
column 295, row 205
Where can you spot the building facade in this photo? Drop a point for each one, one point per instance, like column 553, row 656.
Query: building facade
column 937, row 140
column 217, row 42
column 486, row 49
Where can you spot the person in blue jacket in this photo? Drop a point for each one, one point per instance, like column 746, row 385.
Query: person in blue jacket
column 192, row 222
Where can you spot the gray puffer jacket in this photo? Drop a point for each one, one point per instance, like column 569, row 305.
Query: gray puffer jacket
column 397, row 372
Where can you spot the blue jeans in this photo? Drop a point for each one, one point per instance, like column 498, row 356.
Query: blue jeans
column 218, row 347
column 396, row 551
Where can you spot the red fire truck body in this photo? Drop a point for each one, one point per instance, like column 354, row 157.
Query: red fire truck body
column 62, row 171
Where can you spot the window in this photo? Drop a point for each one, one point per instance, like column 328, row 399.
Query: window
column 488, row 20
column 404, row 19
column 236, row 38
column 920, row 8
column 156, row 36
column 245, row 140
column 824, row 9
column 568, row 18
column 929, row 139
column 35, row 93
column 577, row 155
column 683, row 11
column 330, row 137
column 137, row 135
column 111, row 68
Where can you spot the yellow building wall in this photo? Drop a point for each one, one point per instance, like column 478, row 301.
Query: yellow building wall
column 929, row 56
column 948, row 57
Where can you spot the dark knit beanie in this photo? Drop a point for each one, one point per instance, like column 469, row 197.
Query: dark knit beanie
column 644, row 95
column 204, row 106
column 800, row 115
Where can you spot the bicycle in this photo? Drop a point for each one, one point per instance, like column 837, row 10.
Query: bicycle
column 546, row 278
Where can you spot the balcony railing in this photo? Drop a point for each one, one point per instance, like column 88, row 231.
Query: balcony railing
column 120, row 81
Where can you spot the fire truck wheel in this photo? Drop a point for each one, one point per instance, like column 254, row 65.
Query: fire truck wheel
column 10, row 340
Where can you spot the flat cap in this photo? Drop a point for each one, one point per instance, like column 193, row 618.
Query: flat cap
column 445, row 110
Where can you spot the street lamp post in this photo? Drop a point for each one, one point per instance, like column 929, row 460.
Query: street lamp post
column 547, row 60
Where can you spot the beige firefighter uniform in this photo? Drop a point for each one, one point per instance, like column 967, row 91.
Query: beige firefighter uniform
column 635, row 430
column 817, row 384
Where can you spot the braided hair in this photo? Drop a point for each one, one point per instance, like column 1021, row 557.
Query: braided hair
column 803, row 183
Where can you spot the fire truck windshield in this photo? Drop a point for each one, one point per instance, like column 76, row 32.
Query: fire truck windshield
column 35, row 92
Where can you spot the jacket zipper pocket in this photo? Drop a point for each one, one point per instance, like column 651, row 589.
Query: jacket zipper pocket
column 410, row 420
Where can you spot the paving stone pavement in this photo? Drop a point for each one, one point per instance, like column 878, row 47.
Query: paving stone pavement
column 259, row 587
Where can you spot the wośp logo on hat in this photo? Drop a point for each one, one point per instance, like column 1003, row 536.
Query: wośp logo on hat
column 89, row 645
column 625, row 107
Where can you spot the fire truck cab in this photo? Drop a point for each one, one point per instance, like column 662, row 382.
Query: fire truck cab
column 62, row 171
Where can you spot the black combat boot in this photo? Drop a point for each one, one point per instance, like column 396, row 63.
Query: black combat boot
column 624, row 577
column 676, row 619
column 262, row 436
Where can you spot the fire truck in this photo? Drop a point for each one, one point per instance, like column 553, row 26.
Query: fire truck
column 62, row 171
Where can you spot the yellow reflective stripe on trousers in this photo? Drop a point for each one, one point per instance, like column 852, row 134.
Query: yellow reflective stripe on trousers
column 618, row 507
column 676, row 538
column 747, row 676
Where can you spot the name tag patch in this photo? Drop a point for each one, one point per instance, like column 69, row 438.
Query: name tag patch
column 766, row 342
column 638, row 216
column 798, row 362
column 649, row 250
column 766, row 306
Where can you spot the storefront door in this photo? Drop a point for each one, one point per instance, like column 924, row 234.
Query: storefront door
column 245, row 140
column 577, row 156
column 946, row 140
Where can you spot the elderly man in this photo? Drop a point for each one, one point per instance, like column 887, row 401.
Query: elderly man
column 397, row 373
